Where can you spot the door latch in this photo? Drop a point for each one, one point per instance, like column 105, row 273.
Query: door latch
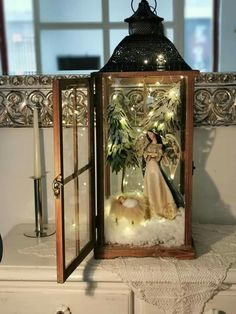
column 56, row 185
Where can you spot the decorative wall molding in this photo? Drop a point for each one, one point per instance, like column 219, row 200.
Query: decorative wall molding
column 215, row 99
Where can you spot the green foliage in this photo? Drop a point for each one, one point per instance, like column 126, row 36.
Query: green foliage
column 163, row 114
column 121, row 139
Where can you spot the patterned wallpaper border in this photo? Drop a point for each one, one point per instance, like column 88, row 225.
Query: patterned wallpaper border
column 214, row 104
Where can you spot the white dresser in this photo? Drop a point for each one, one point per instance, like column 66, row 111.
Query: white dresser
column 28, row 284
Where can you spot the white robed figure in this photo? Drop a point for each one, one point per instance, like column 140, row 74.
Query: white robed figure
column 161, row 200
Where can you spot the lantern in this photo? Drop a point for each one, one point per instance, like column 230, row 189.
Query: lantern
column 139, row 165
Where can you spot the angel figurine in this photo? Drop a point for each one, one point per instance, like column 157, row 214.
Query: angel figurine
column 156, row 189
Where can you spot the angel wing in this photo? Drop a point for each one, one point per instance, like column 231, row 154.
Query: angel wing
column 171, row 155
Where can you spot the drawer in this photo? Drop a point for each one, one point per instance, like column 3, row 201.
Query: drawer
column 72, row 298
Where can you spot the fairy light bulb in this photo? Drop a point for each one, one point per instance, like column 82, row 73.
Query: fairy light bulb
column 161, row 126
column 123, row 121
column 169, row 115
column 128, row 231
column 174, row 93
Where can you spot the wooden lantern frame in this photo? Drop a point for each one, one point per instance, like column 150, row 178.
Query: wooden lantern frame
column 97, row 97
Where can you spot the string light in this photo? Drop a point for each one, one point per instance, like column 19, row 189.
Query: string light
column 128, row 231
column 169, row 115
column 123, row 121
column 161, row 126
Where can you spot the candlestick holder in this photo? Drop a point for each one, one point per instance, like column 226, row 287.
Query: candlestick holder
column 41, row 229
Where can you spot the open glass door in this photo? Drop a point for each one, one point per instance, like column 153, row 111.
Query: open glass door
column 74, row 172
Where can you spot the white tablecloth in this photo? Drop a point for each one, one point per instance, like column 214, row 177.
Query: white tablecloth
column 182, row 286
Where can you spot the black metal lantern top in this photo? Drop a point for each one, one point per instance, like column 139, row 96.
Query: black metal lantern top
column 146, row 48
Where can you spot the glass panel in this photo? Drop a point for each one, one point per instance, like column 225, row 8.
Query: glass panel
column 84, row 213
column 71, row 218
column 70, row 11
column 71, row 46
column 165, row 10
column 77, row 216
column 119, row 10
column 169, row 33
column 144, row 178
column 83, row 149
column 68, row 151
column 75, row 137
column 20, row 36
column 198, row 34
column 116, row 35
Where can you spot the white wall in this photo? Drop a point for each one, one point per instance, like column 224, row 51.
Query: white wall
column 214, row 181
column 16, row 168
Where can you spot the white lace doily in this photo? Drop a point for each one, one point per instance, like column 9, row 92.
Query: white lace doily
column 181, row 286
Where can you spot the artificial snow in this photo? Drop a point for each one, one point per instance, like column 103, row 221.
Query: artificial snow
column 154, row 231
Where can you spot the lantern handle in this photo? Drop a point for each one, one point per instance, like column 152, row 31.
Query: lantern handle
column 153, row 8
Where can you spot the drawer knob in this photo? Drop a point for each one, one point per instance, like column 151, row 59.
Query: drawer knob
column 63, row 309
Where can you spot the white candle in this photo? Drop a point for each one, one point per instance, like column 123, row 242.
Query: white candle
column 37, row 153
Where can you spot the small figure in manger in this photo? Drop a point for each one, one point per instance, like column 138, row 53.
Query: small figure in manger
column 131, row 206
